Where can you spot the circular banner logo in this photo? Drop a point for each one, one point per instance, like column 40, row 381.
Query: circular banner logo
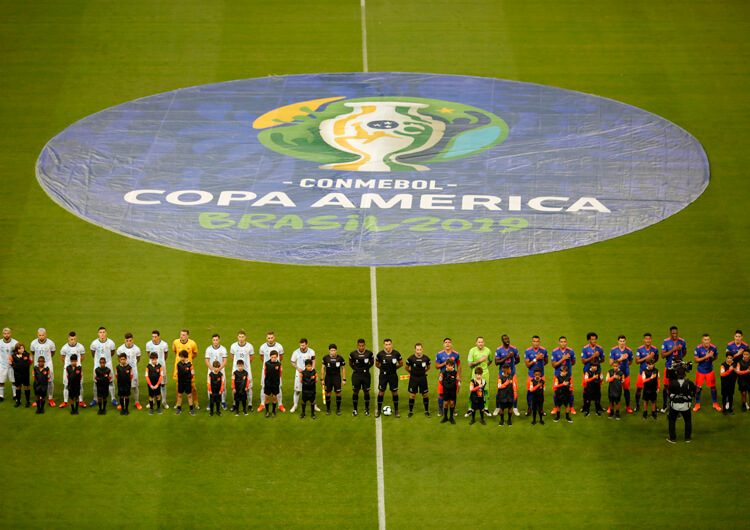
column 378, row 169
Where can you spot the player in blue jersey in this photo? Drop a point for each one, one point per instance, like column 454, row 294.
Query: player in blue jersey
column 591, row 351
column 642, row 355
column 705, row 354
column 507, row 354
column 534, row 357
column 563, row 356
column 625, row 355
column 737, row 346
column 440, row 360
column 672, row 348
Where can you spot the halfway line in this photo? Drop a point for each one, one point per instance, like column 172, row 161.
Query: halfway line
column 378, row 421
column 364, row 35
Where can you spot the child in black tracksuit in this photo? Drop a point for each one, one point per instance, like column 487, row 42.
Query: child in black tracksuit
column 124, row 374
column 21, row 362
column 75, row 378
column 240, row 387
column 41, row 379
column 650, row 389
column 592, row 393
column 562, row 387
column 478, row 387
column 614, row 378
column 215, row 388
column 536, row 387
column 728, row 383
column 272, row 382
column 506, row 392
column 309, row 382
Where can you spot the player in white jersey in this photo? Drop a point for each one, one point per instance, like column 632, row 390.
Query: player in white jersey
column 162, row 351
column 298, row 361
column 134, row 355
column 217, row 352
column 7, row 343
column 265, row 350
column 103, row 348
column 243, row 351
column 72, row 347
column 44, row 347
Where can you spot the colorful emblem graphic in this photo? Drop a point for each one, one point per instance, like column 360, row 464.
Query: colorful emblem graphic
column 380, row 134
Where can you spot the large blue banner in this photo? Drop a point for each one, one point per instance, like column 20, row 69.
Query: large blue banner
column 379, row 169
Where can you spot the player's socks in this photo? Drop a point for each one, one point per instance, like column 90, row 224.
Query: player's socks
column 627, row 397
column 380, row 403
column 355, row 401
column 567, row 417
column 411, row 404
column 395, row 403
column 453, row 411
column 338, row 404
column 440, row 403
column 664, row 395
column 304, row 407
column 557, row 416
column 328, row 405
column 637, row 398
column 481, row 417
column 296, row 399
column 66, row 394
column 698, row 396
column 426, row 402
column 367, row 402
column 713, row 394
column 273, row 410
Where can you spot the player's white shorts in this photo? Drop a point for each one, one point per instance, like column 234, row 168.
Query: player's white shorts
column 7, row 374
column 65, row 376
column 298, row 382
column 134, row 383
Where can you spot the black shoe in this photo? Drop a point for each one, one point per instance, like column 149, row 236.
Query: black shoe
column 150, row 412
column 671, row 441
column 354, row 413
column 178, row 411
column 586, row 414
column 367, row 412
column 653, row 415
column 211, row 413
column 541, row 422
column 427, row 413
column 377, row 414
column 273, row 414
column 18, row 404
column 528, row 412
column 338, row 412
column 28, row 404
column 218, row 413
column 599, row 413
column 158, row 410
column 617, row 416
column 556, row 419
column 122, row 412
column 302, row 416
column 410, row 414
column 192, row 412
column 688, row 440
column 569, row 419
column 100, row 413
column 397, row 414
column 731, row 411
column 533, row 422
column 453, row 421
column 236, row 412
column 502, row 422
column 611, row 415
column 246, row 412
column 510, row 423
column 328, row 412
column 472, row 421
column 268, row 413
column 444, row 420
column 483, row 422
column 312, row 415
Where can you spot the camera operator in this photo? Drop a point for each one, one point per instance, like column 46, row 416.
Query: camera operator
column 681, row 392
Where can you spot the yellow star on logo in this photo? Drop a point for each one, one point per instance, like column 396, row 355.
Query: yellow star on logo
column 444, row 110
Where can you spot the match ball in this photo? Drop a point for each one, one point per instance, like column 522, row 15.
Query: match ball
column 387, row 411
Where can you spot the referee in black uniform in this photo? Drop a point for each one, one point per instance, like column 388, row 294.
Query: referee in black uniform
column 418, row 365
column 361, row 361
column 388, row 362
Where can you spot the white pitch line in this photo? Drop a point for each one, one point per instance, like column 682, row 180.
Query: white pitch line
column 378, row 421
column 364, row 35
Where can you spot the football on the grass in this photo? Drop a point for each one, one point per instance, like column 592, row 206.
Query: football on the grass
column 387, row 411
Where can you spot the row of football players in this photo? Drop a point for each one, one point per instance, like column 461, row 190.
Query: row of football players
column 389, row 361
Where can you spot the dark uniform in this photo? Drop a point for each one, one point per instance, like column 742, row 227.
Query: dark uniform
column 388, row 370
column 103, row 377
column 506, row 394
column 215, row 387
column 593, row 391
column 333, row 372
column 651, row 387
column 477, row 394
column 21, row 364
column 75, row 376
column 272, row 378
column 41, row 379
column 154, row 373
column 309, row 381
column 361, row 364
column 185, row 377
column 728, row 383
column 562, row 392
column 537, row 397
column 124, row 380
column 743, row 380
column 418, row 374
column 450, row 384
column 615, row 386
column 240, row 378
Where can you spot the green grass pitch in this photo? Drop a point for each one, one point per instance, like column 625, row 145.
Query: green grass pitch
column 685, row 61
